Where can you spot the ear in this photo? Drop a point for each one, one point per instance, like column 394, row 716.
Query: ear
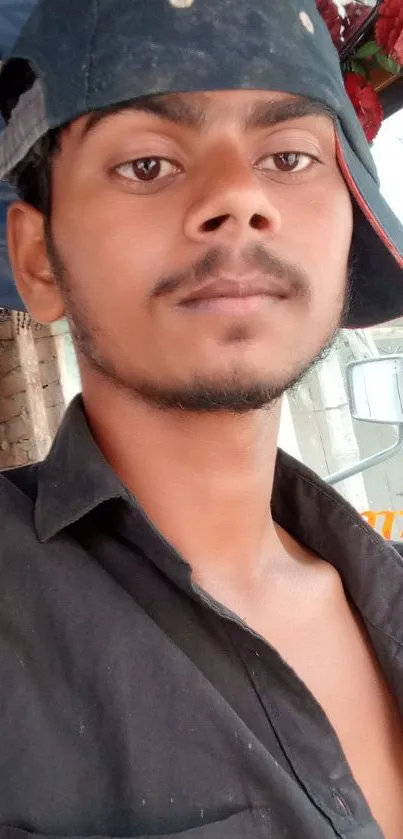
column 32, row 270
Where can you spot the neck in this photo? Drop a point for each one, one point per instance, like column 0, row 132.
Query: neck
column 205, row 480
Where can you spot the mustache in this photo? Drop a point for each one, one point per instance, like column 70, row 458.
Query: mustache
column 217, row 261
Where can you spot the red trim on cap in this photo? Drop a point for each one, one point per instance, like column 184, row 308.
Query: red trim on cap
column 363, row 204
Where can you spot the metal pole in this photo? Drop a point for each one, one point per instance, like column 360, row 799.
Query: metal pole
column 374, row 460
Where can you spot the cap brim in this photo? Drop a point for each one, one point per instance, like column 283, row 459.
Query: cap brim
column 377, row 280
column 28, row 123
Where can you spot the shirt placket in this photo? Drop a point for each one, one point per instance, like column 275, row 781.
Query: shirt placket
column 308, row 739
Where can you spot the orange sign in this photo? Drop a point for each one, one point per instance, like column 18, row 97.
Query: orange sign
column 384, row 521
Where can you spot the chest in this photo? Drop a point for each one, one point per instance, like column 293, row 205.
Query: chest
column 120, row 733
column 325, row 643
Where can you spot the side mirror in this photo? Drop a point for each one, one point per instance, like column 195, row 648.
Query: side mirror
column 375, row 389
column 375, row 394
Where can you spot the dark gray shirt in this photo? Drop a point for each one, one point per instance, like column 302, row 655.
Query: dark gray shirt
column 131, row 704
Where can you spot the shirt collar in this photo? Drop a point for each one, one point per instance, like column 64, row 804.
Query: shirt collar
column 74, row 478
column 370, row 568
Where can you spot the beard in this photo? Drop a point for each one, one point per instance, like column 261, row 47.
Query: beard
column 232, row 394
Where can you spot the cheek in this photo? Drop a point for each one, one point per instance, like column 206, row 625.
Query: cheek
column 335, row 223
column 114, row 246
column 322, row 227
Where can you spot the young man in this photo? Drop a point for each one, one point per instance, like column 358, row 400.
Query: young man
column 198, row 638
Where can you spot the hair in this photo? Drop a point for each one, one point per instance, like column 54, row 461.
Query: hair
column 32, row 178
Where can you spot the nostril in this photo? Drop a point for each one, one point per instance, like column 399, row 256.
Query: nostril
column 214, row 223
column 259, row 222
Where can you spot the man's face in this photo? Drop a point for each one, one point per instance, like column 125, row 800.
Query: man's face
column 202, row 244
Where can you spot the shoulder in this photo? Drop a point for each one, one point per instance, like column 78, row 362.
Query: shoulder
column 18, row 492
column 23, row 480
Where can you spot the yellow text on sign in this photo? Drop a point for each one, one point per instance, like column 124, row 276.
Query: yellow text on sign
column 384, row 521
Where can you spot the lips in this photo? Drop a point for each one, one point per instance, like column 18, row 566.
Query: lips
column 227, row 288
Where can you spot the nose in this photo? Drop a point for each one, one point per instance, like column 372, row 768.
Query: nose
column 233, row 204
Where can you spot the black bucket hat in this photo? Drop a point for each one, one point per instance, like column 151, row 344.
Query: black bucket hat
column 85, row 55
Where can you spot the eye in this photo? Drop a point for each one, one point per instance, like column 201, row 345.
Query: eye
column 288, row 162
column 147, row 169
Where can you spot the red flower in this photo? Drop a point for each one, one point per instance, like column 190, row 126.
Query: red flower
column 334, row 22
column 366, row 103
column 389, row 29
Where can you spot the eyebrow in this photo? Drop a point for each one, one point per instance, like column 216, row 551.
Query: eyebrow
column 266, row 113
column 173, row 108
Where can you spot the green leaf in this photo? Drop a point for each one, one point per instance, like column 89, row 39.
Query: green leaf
column 387, row 63
column 368, row 50
column 359, row 67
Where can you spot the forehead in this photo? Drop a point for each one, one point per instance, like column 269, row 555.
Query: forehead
column 249, row 108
